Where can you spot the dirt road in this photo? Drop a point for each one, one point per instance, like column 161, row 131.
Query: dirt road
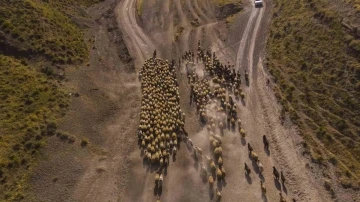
column 141, row 46
column 260, row 112
column 107, row 112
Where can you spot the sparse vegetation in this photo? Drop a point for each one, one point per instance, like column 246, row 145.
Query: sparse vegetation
column 84, row 142
column 32, row 27
column 225, row 2
column 139, row 7
column 33, row 35
column 315, row 64
column 29, row 105
column 178, row 33
column 230, row 19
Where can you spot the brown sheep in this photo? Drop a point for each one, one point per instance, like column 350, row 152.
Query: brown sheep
column 263, row 188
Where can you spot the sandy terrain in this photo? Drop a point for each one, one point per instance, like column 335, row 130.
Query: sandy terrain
column 112, row 169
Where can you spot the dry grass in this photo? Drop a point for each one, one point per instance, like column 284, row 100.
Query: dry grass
column 139, row 7
column 30, row 104
column 230, row 19
column 224, row 2
column 316, row 66
column 33, row 35
column 179, row 31
column 33, row 27
column 355, row 3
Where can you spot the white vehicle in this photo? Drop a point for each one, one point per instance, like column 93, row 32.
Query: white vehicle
column 258, row 3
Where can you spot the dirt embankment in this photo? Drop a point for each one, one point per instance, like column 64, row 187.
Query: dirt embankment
column 105, row 113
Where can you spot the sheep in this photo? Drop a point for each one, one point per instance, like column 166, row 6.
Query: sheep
column 242, row 133
column 218, row 194
column 208, row 158
column 212, row 166
column 203, row 170
column 157, row 177
column 197, row 153
column 219, row 174
column 218, row 138
column 254, row 156
column 161, row 178
column 223, row 171
column 218, row 151
column 220, row 161
column 221, row 125
column 247, row 169
column 261, row 168
column 263, row 188
column 198, row 150
column 249, row 147
column 190, row 142
column 211, row 181
column 276, row 173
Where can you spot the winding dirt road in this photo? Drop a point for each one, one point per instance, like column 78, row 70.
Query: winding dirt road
column 259, row 113
column 141, row 46
column 110, row 114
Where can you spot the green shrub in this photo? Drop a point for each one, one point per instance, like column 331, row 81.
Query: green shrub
column 84, row 142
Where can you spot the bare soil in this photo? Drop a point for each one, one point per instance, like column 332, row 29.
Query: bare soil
column 111, row 168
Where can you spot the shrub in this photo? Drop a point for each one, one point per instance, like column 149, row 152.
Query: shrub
column 84, row 142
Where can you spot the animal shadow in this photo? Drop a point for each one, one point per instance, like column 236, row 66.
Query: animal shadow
column 145, row 163
column 248, row 178
column 284, row 188
column 243, row 102
column 157, row 190
column 219, row 185
column 165, row 170
column 264, row 197
column 261, row 176
column 255, row 167
column 211, row 193
column 243, row 141
column 277, row 184
column 267, row 151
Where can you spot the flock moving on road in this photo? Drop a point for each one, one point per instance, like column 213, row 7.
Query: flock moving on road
column 215, row 91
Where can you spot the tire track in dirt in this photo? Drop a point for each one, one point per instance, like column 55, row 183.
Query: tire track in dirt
column 183, row 21
column 255, row 115
column 250, row 58
column 245, row 39
column 192, row 11
column 204, row 18
column 299, row 182
column 139, row 40
column 285, row 153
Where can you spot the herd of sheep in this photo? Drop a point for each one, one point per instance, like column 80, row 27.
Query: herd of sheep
column 214, row 94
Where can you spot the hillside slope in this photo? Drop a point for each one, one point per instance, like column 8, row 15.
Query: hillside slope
column 314, row 59
column 35, row 37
